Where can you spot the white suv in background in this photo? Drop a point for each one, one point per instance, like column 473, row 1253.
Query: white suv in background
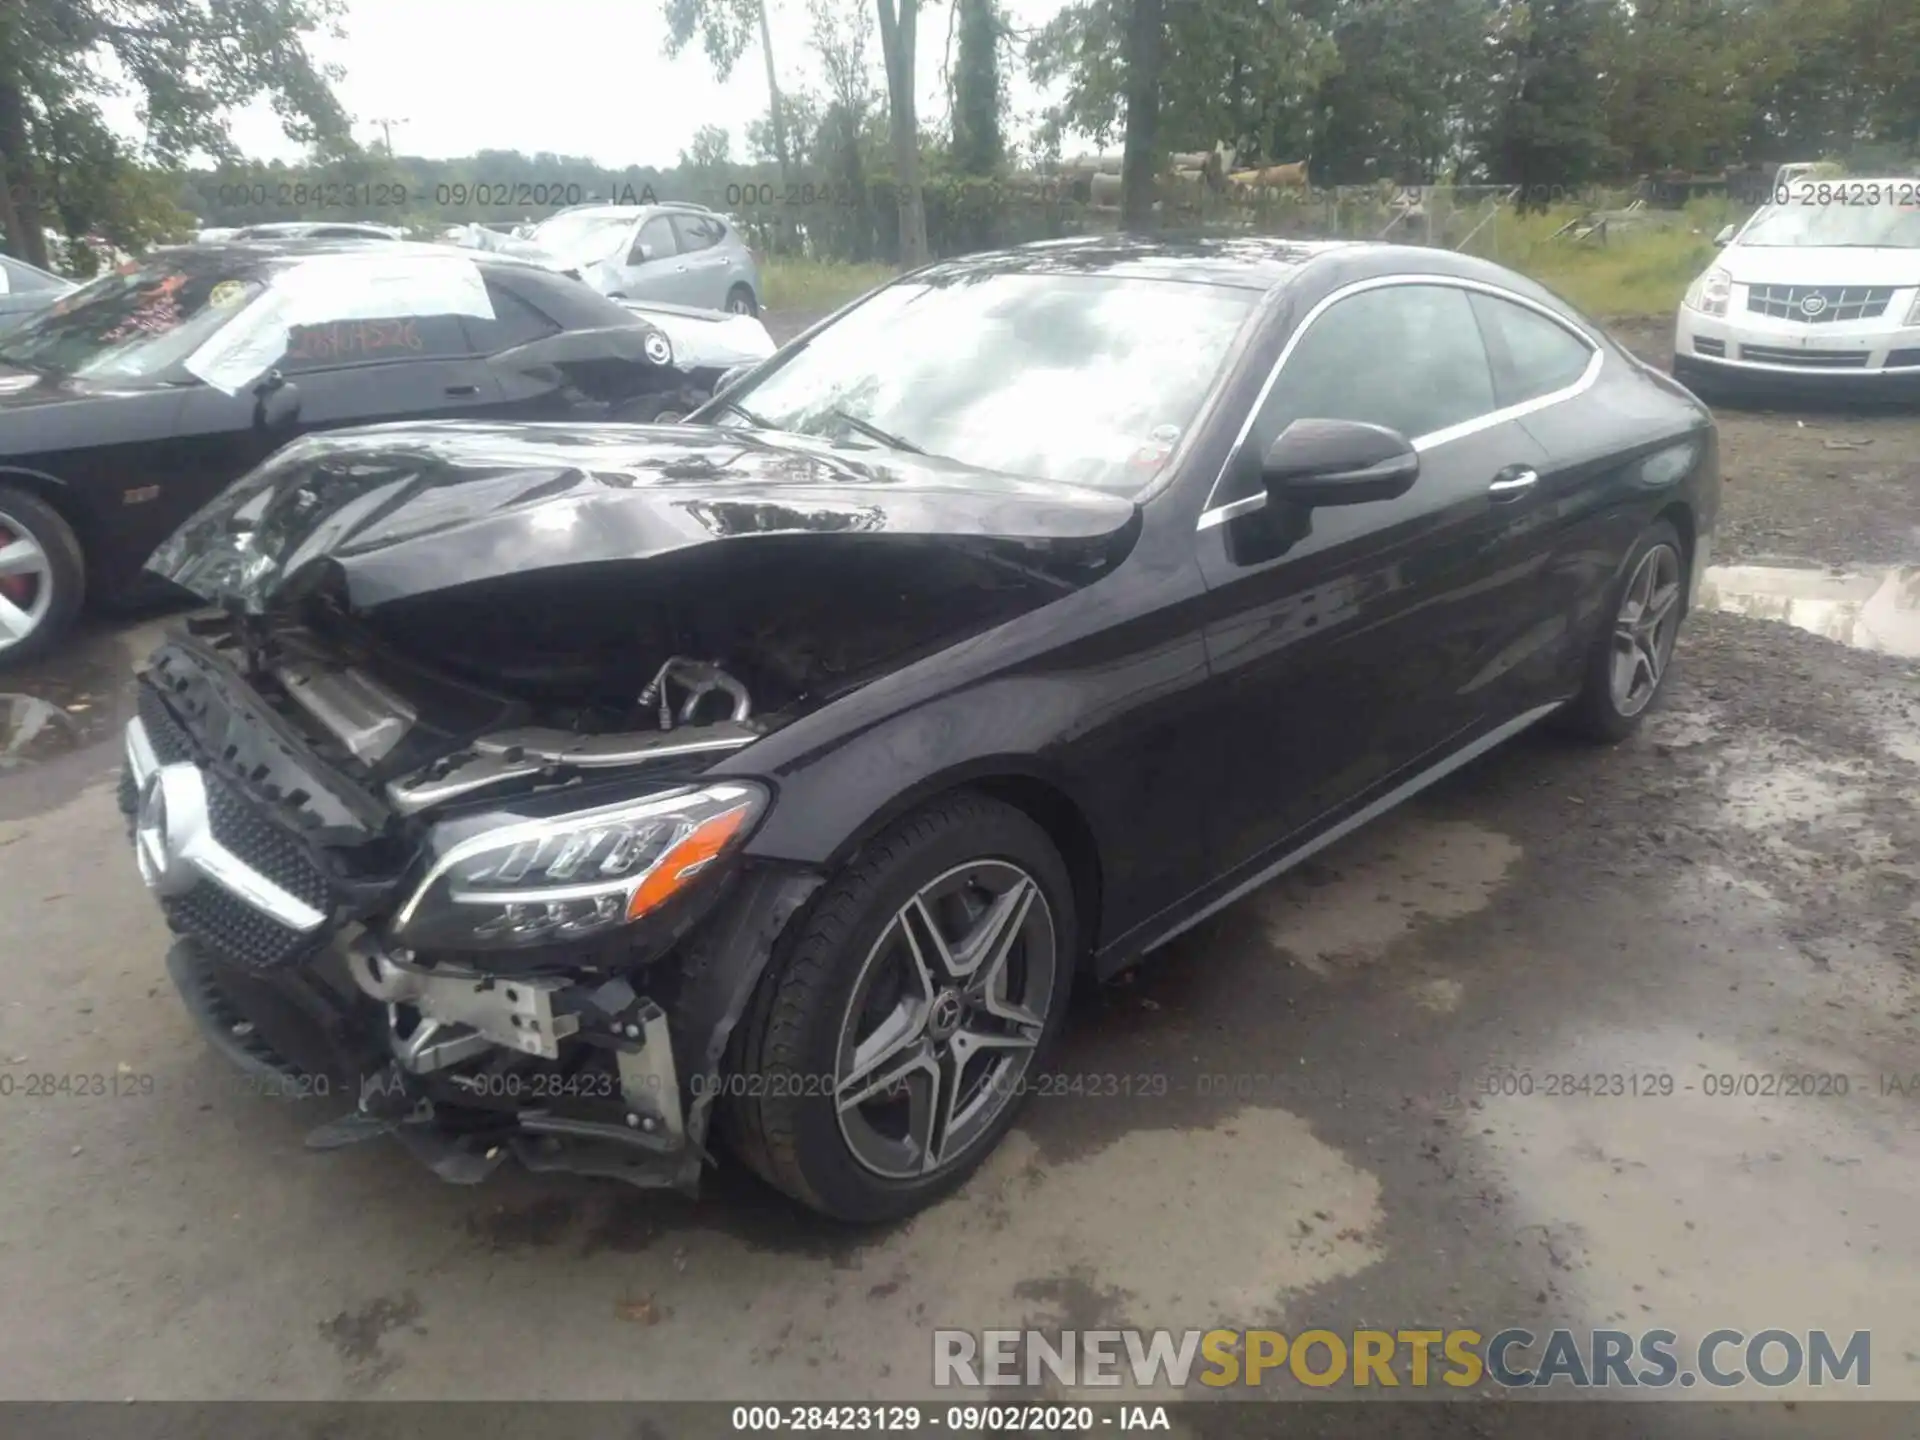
column 1821, row 285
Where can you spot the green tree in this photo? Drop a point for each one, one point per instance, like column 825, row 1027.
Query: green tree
column 979, row 89
column 898, row 26
column 187, row 64
column 1389, row 108
column 1541, row 123
column 1243, row 71
column 1680, row 84
column 726, row 28
column 711, row 150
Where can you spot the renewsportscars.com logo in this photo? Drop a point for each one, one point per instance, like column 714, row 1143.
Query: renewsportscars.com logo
column 1459, row 1359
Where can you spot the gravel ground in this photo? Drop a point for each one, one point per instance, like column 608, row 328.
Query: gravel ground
column 1735, row 892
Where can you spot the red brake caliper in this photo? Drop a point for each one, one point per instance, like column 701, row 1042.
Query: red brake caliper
column 17, row 588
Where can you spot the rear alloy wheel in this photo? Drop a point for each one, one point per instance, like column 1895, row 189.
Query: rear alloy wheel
column 1631, row 657
column 42, row 576
column 740, row 301
column 893, row 1038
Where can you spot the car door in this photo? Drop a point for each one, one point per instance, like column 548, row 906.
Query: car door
column 707, row 269
column 1352, row 644
column 537, row 390
column 368, row 372
column 1595, row 492
column 654, row 269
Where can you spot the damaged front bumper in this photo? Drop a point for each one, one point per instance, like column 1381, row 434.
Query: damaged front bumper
column 594, row 1070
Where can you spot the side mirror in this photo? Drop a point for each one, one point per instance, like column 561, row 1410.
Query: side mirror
column 1338, row 462
column 1725, row 235
column 276, row 402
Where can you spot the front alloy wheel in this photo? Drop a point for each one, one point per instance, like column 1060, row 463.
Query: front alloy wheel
column 951, row 1003
column 889, row 1044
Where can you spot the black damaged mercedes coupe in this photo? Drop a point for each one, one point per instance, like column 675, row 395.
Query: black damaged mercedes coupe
column 588, row 794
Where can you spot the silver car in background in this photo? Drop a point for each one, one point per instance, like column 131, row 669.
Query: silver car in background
column 674, row 252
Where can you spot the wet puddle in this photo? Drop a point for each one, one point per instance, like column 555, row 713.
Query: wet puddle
column 1870, row 609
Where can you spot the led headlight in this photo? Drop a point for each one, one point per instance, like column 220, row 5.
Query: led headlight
column 535, row 882
column 1710, row 293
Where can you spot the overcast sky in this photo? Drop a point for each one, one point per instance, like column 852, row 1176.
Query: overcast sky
column 574, row 77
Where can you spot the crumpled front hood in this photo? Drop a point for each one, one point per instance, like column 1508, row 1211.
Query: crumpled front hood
column 401, row 510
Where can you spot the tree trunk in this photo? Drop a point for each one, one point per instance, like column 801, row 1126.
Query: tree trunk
column 1146, row 47
column 778, row 112
column 26, row 237
column 896, row 45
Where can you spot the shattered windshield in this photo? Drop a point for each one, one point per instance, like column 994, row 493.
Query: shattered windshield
column 1083, row 379
column 139, row 323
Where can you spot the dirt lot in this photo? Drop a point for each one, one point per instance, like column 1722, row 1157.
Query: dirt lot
column 1835, row 483
column 1345, row 1138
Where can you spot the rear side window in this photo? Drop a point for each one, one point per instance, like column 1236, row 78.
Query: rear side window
column 1408, row 357
column 1533, row 356
column 336, row 344
column 698, row 232
column 514, row 322
column 655, row 240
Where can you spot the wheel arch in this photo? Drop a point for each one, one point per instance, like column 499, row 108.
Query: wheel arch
column 1679, row 514
column 1041, row 798
column 57, row 495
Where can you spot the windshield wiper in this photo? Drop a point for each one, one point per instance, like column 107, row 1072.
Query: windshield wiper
column 759, row 422
column 874, row 432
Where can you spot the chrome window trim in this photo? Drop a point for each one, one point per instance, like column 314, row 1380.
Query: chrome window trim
column 1212, row 515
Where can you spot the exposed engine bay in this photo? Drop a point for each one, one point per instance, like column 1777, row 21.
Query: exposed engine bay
column 426, row 799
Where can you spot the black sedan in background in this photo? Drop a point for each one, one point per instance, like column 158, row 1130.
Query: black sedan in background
column 130, row 403
column 576, row 794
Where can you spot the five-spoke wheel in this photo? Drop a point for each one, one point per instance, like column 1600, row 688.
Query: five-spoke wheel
column 951, row 1003
column 890, row 1042
column 1629, row 660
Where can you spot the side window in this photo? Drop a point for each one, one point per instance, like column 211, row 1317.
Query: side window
column 1534, row 356
column 6, row 279
column 697, row 232
column 654, row 242
column 514, row 322
column 337, row 344
column 1408, row 357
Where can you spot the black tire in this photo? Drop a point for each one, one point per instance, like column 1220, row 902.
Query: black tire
column 742, row 301
column 780, row 1115
column 1596, row 713
column 24, row 515
column 666, row 408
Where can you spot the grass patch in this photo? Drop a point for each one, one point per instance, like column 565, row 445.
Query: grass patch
column 793, row 283
column 1641, row 269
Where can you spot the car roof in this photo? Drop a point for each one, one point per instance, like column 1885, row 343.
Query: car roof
column 276, row 251
column 619, row 212
column 1251, row 262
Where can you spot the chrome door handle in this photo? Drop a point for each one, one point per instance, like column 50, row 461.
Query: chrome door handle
column 1513, row 482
